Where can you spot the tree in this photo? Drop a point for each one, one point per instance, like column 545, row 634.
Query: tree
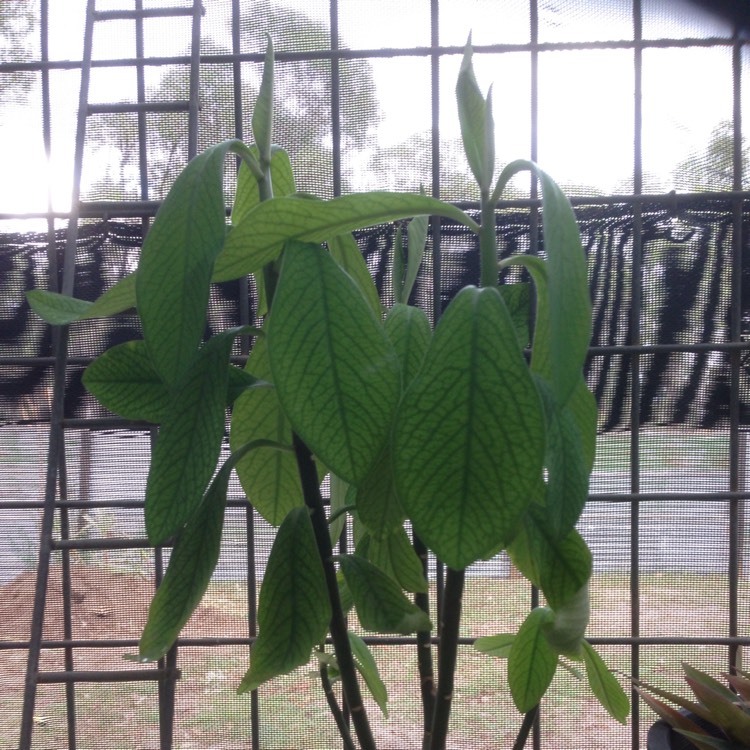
column 302, row 112
column 713, row 167
column 18, row 22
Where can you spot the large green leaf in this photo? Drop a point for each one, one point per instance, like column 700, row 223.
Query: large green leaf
column 191, row 565
column 469, row 434
column 177, row 262
column 381, row 605
column 270, row 477
column 409, row 332
column 261, row 233
column 262, row 122
column 532, row 661
column 333, row 366
column 345, row 251
column 124, row 380
column 495, row 645
column 378, row 505
column 293, row 609
column 189, row 442
column 605, row 685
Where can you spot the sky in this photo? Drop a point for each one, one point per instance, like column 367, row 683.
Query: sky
column 586, row 102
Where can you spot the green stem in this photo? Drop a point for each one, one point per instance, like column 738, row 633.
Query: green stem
column 424, row 654
column 313, row 500
column 447, row 653
column 333, row 705
column 487, row 243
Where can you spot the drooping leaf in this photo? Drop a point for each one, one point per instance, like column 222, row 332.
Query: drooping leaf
column 560, row 567
column 345, row 251
column 57, row 309
column 333, row 366
column 381, row 605
column 293, row 609
column 191, row 566
column 605, row 685
column 495, row 645
column 416, row 238
column 409, row 331
column 395, row 556
column 189, row 442
column 269, row 478
column 366, row 666
column 566, row 630
column 177, row 261
column 469, row 434
column 124, row 380
column 517, row 298
column 259, row 236
column 532, row 662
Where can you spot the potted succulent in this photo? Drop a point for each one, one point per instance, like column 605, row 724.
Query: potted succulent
column 451, row 434
column 717, row 719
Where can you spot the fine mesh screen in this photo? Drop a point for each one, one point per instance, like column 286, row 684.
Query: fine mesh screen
column 365, row 100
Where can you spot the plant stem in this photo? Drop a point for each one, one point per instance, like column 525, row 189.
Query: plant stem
column 313, row 500
column 526, row 725
column 424, row 654
column 447, row 652
column 336, row 711
column 487, row 243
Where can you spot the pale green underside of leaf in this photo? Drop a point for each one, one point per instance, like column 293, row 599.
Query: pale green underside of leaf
column 345, row 251
column 532, row 662
column 381, row 605
column 366, row 666
column 259, row 236
column 293, row 609
column 605, row 685
column 409, row 331
column 395, row 556
column 469, row 433
column 495, row 645
column 333, row 366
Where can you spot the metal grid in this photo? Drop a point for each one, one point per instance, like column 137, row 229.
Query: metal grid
column 634, row 499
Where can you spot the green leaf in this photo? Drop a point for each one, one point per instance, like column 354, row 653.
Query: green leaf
column 395, row 556
column 339, row 492
column 469, row 434
column 259, row 236
column 416, row 237
column 565, row 632
column 345, row 251
column 247, row 194
column 176, row 264
column 239, row 380
column 293, row 610
column 367, row 667
column 57, row 309
column 269, row 478
column 725, row 712
column 409, row 331
column 262, row 122
column 517, row 298
column 397, row 267
column 571, row 440
column 333, row 366
column 378, row 505
column 495, row 645
column 702, row 740
column 563, row 328
column 60, row 309
column 124, row 380
column 475, row 118
column 605, row 685
column 191, row 565
column 532, row 662
column 381, row 605
column 560, row 567
column 682, row 724
column 189, row 442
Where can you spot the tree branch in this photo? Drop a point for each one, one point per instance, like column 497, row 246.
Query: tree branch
column 424, row 653
column 333, row 705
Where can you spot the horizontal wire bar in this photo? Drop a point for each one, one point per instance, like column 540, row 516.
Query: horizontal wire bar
column 126, row 107
column 126, row 15
column 125, row 675
column 384, row 52
column 104, row 543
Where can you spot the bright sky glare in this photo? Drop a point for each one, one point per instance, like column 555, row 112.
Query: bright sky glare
column 586, row 99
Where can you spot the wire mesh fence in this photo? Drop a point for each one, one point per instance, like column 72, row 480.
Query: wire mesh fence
column 668, row 517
